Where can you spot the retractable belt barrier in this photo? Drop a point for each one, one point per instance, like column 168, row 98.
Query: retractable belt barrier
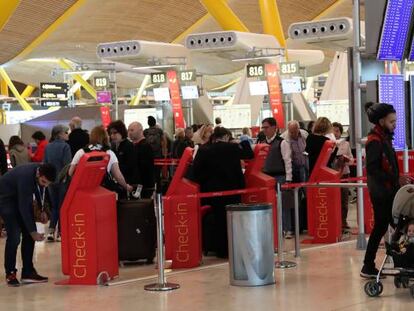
column 182, row 211
column 88, row 224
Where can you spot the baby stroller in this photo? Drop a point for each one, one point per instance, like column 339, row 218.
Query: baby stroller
column 402, row 266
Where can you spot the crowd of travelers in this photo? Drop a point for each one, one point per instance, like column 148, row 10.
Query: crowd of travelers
column 42, row 174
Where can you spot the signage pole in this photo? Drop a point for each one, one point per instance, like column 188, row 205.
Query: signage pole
column 361, row 241
column 162, row 285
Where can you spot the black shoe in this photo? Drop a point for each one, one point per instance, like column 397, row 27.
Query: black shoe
column 34, row 278
column 12, row 280
column 368, row 272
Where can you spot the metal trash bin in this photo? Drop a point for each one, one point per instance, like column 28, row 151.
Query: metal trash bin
column 250, row 236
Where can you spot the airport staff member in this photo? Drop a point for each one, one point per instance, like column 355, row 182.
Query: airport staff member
column 382, row 177
column 18, row 188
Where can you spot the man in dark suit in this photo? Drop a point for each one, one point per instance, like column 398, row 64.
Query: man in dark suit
column 217, row 167
column 18, row 188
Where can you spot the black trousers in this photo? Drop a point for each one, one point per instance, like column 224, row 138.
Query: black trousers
column 15, row 228
column 382, row 218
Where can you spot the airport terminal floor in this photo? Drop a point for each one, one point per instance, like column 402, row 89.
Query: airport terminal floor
column 326, row 278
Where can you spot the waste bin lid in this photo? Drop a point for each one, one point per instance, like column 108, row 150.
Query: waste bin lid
column 248, row 207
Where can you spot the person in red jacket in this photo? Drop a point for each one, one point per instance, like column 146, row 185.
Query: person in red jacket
column 41, row 142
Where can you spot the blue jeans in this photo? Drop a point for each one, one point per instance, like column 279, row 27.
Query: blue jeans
column 56, row 194
column 15, row 227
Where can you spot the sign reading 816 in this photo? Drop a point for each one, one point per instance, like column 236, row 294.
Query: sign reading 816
column 255, row 71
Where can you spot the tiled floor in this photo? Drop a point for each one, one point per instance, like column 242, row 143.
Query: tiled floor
column 326, row 278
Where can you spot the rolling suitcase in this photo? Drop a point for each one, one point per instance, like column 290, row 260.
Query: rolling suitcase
column 137, row 231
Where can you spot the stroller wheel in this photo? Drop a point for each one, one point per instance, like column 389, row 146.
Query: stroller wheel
column 412, row 290
column 397, row 282
column 373, row 289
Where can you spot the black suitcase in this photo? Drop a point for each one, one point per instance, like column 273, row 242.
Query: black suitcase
column 137, row 230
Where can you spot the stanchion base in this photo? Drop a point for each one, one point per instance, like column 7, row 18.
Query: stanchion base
column 156, row 287
column 361, row 242
column 285, row 264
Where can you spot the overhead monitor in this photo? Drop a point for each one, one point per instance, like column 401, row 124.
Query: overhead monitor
column 189, row 92
column 104, row 97
column 258, row 88
column 139, row 115
column 161, row 94
column 291, row 86
column 391, row 90
column 395, row 30
column 334, row 110
column 233, row 116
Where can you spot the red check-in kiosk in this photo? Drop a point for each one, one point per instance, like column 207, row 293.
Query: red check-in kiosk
column 89, row 224
column 182, row 219
column 254, row 177
column 324, row 204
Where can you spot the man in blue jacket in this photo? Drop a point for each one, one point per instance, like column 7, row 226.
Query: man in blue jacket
column 18, row 188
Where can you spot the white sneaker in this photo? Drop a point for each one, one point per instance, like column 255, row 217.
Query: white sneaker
column 58, row 238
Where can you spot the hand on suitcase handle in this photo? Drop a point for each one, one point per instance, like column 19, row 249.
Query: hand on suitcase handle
column 137, row 193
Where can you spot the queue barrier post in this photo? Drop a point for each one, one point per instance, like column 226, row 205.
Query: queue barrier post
column 281, row 263
column 162, row 284
column 89, row 231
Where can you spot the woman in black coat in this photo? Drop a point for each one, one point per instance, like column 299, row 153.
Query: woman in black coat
column 217, row 167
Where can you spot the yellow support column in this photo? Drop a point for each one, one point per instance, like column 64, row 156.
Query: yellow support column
column 28, row 91
column 7, row 8
column 135, row 100
column 224, row 15
column 4, row 89
column 272, row 23
column 78, row 78
column 25, row 105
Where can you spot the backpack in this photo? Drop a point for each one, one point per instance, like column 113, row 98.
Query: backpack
column 153, row 137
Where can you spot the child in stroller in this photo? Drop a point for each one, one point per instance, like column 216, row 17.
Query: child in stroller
column 401, row 246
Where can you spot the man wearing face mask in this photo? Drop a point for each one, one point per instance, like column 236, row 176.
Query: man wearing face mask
column 382, row 177
column 18, row 188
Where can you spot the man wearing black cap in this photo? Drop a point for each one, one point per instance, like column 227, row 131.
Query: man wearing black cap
column 18, row 188
column 382, row 177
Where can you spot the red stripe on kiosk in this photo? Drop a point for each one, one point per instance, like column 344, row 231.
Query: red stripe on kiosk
column 176, row 102
column 275, row 94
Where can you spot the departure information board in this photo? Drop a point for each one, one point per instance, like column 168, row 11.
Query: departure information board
column 395, row 30
column 391, row 89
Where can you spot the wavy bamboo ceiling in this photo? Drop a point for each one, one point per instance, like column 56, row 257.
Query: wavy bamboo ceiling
column 112, row 20
column 30, row 19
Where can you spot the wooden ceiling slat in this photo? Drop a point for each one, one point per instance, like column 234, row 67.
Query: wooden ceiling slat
column 30, row 19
